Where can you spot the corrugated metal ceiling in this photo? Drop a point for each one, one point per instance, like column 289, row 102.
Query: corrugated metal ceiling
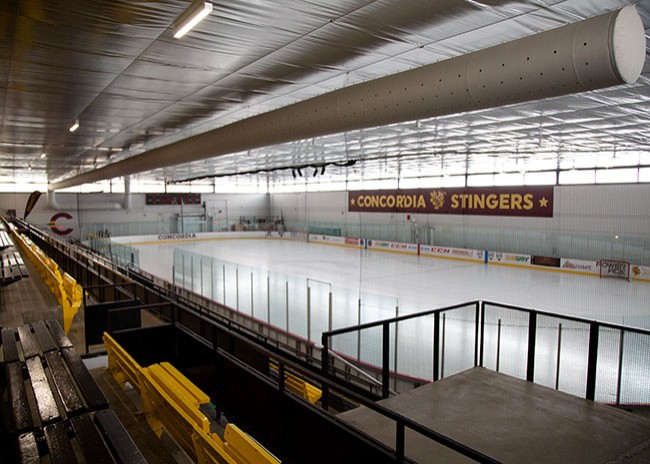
column 115, row 66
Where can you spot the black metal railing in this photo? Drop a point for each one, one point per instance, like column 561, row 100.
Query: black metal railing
column 600, row 361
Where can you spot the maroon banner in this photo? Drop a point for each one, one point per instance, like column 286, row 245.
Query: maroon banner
column 31, row 202
column 485, row 201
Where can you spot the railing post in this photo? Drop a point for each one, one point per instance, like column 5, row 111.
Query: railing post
column 201, row 274
column 325, row 359
column 442, row 347
column 532, row 343
column 620, row 367
column 482, row 346
column 183, row 270
column 476, row 332
column 436, row 346
column 268, row 298
column 237, row 286
column 399, row 442
column 286, row 301
column 594, row 330
column 359, row 332
column 559, row 351
column 192, row 273
column 329, row 310
column 212, row 279
column 308, row 311
column 396, row 338
column 498, row 344
column 385, row 360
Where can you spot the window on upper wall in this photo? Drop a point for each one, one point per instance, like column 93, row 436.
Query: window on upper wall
column 644, row 175
column 578, row 176
column 453, row 181
column 510, row 178
column 540, row 178
column 480, row 180
column 617, row 176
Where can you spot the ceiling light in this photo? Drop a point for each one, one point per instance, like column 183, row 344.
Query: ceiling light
column 29, row 168
column 43, row 155
column 74, row 126
column 194, row 14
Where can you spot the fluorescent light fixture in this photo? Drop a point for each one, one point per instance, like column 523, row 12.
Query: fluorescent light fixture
column 192, row 17
column 74, row 126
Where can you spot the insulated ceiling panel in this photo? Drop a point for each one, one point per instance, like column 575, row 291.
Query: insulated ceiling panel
column 115, row 66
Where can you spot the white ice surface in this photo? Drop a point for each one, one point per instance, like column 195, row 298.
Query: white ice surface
column 419, row 283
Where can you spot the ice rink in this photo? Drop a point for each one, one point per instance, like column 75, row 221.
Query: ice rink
column 416, row 283
column 309, row 288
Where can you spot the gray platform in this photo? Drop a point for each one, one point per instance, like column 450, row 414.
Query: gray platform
column 510, row 420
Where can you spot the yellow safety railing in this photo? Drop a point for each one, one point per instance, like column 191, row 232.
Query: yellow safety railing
column 167, row 404
column 171, row 402
column 210, row 448
column 121, row 365
column 244, row 449
column 299, row 386
column 67, row 292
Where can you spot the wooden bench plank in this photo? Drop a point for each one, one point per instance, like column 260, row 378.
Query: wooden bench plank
column 28, row 342
column 44, row 337
column 91, row 392
column 58, row 443
column 120, row 442
column 92, row 446
column 70, row 398
column 20, row 416
column 9, row 345
column 59, row 335
column 11, row 271
column 5, row 241
column 45, row 402
column 20, row 264
column 28, row 449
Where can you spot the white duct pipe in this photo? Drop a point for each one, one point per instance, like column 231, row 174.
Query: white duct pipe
column 54, row 204
column 127, row 193
column 599, row 52
column 51, row 200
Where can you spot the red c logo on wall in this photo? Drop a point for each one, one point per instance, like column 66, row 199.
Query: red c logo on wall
column 58, row 229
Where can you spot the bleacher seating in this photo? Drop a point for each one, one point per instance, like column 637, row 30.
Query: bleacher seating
column 299, row 386
column 52, row 406
column 5, row 240
column 13, row 267
column 171, row 402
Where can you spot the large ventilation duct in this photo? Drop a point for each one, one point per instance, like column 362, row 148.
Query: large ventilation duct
column 599, row 52
column 126, row 204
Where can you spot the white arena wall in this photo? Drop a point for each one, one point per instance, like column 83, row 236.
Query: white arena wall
column 88, row 208
column 617, row 216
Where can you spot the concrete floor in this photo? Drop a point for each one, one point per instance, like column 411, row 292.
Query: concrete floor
column 512, row 421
